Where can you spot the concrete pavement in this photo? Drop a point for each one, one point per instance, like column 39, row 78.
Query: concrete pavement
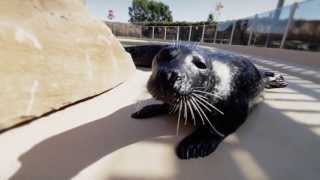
column 97, row 139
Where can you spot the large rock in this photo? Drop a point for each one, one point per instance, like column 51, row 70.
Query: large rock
column 53, row 53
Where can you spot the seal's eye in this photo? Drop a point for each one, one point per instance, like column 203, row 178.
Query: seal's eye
column 197, row 62
column 168, row 54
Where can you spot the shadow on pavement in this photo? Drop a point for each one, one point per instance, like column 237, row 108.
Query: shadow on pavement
column 270, row 145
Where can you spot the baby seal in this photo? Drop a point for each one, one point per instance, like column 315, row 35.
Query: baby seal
column 213, row 90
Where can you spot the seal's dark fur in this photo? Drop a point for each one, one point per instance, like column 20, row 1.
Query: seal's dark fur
column 229, row 83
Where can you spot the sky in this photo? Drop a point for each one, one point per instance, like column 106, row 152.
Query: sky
column 188, row 10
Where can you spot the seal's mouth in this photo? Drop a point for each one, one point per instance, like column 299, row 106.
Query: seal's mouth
column 178, row 92
column 188, row 102
column 168, row 86
column 195, row 106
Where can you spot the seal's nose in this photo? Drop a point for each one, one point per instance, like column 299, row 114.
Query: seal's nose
column 172, row 76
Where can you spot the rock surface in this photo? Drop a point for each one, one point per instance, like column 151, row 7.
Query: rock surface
column 54, row 53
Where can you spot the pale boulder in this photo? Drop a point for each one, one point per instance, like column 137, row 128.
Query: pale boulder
column 54, row 53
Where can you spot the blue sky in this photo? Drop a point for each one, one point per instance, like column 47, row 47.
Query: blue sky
column 188, row 10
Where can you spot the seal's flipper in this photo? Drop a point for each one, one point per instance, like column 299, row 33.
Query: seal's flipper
column 200, row 143
column 151, row 111
column 274, row 80
column 143, row 55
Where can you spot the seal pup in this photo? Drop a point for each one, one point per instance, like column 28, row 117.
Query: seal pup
column 212, row 89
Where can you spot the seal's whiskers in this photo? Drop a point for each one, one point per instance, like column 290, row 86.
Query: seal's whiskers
column 174, row 107
column 213, row 128
column 197, row 109
column 185, row 110
column 204, row 92
column 191, row 111
column 178, row 125
column 205, row 106
column 206, row 102
column 202, row 112
column 201, row 96
column 194, row 103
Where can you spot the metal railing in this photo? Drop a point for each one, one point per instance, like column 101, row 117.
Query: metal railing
column 185, row 33
column 293, row 27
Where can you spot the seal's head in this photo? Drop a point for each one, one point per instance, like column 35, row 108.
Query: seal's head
column 177, row 71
